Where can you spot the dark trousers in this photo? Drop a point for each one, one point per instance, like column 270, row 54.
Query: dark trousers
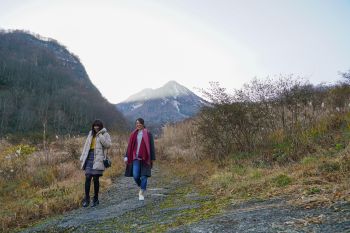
column 88, row 179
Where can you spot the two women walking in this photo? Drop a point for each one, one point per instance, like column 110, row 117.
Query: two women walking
column 138, row 158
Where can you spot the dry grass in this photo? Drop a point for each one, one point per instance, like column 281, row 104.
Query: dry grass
column 307, row 185
column 179, row 142
column 44, row 183
column 324, row 175
column 320, row 178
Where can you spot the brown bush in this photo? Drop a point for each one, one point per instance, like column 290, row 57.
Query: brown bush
column 305, row 116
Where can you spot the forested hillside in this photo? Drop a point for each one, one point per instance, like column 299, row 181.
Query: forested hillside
column 44, row 86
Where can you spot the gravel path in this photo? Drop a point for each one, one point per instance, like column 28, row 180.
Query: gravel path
column 275, row 216
column 174, row 206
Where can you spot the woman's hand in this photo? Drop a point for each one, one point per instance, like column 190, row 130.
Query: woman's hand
column 125, row 160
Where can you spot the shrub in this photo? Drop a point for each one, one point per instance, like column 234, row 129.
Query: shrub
column 313, row 190
column 345, row 165
column 74, row 149
column 282, row 180
column 256, row 174
column 339, row 146
column 309, row 160
column 44, row 176
column 13, row 161
column 329, row 167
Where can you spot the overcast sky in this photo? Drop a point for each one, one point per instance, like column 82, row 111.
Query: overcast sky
column 127, row 46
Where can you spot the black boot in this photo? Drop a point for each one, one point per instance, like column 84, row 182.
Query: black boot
column 95, row 202
column 86, row 201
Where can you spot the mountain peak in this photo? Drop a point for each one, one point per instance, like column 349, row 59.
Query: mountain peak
column 171, row 83
column 170, row 103
column 170, row 89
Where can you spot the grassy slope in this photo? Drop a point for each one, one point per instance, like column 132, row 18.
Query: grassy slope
column 37, row 184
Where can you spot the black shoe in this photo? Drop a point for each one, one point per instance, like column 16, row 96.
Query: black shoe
column 95, row 202
column 86, row 202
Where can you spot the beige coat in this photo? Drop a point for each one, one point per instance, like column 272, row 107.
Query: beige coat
column 103, row 142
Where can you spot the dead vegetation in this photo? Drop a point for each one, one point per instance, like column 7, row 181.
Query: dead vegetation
column 37, row 183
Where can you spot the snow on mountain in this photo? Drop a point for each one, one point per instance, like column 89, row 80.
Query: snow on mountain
column 170, row 89
column 167, row 104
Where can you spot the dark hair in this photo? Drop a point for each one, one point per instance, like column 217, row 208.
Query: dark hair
column 96, row 123
column 142, row 121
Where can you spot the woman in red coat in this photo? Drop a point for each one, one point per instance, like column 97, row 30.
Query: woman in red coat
column 139, row 156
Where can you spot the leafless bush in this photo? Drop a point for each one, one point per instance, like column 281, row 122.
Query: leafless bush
column 248, row 119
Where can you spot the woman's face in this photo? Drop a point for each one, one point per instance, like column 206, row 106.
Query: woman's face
column 96, row 128
column 139, row 126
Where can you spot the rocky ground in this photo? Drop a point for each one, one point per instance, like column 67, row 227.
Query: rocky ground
column 173, row 205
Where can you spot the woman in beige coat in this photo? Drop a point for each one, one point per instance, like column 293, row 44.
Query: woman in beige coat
column 94, row 152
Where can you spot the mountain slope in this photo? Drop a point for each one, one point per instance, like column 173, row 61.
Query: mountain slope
column 167, row 104
column 42, row 83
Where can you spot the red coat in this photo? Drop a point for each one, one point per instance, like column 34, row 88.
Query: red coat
column 146, row 153
column 145, row 147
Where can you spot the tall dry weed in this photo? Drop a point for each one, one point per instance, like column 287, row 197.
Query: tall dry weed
column 50, row 181
column 179, row 141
